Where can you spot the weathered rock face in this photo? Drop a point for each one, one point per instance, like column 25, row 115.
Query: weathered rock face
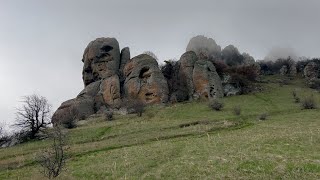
column 73, row 109
column 101, row 60
column 110, row 78
column 187, row 62
column 125, row 57
column 144, row 80
column 83, row 105
column 110, row 90
column 100, row 72
column 206, row 80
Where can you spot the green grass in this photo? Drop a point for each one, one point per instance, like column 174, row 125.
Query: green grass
column 190, row 141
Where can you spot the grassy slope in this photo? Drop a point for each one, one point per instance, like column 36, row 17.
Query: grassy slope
column 189, row 141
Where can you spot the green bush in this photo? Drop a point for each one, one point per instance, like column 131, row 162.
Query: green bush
column 216, row 104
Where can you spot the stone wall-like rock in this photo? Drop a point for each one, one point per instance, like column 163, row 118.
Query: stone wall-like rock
column 187, row 62
column 206, row 80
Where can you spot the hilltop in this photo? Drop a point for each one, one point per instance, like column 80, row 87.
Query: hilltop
column 190, row 141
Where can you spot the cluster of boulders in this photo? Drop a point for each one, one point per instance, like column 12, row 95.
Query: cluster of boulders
column 111, row 77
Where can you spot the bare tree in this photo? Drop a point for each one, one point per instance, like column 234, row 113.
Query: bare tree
column 52, row 160
column 34, row 115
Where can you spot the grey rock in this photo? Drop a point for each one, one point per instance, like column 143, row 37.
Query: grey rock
column 101, row 60
column 206, row 80
column 145, row 81
column 187, row 62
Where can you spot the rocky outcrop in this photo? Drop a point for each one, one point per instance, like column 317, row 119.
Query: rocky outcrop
column 187, row 62
column 206, row 80
column 124, row 59
column 110, row 90
column 144, row 80
column 101, row 60
column 110, row 78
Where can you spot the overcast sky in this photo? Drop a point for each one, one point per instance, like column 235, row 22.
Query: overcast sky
column 42, row 41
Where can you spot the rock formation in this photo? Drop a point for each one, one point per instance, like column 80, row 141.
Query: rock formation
column 187, row 62
column 100, row 72
column 144, row 80
column 206, row 80
column 110, row 77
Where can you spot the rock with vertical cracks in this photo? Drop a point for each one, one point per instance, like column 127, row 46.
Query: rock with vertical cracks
column 187, row 62
column 206, row 81
column 144, row 80
column 101, row 60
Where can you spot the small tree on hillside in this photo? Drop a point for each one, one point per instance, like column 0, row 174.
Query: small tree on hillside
column 52, row 160
column 33, row 115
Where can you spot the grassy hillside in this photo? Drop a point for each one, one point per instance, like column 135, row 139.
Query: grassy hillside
column 190, row 141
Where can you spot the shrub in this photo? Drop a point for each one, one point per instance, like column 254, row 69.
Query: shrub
column 237, row 110
column 52, row 160
column 308, row 103
column 220, row 66
column 295, row 96
column 284, row 81
column 136, row 106
column 278, row 64
column 244, row 77
column 263, row 116
column 216, row 104
column 108, row 115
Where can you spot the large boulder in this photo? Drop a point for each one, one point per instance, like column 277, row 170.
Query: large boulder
column 101, row 60
column 187, row 62
column 230, row 88
column 72, row 109
column 206, row 80
column 144, row 80
column 85, row 104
